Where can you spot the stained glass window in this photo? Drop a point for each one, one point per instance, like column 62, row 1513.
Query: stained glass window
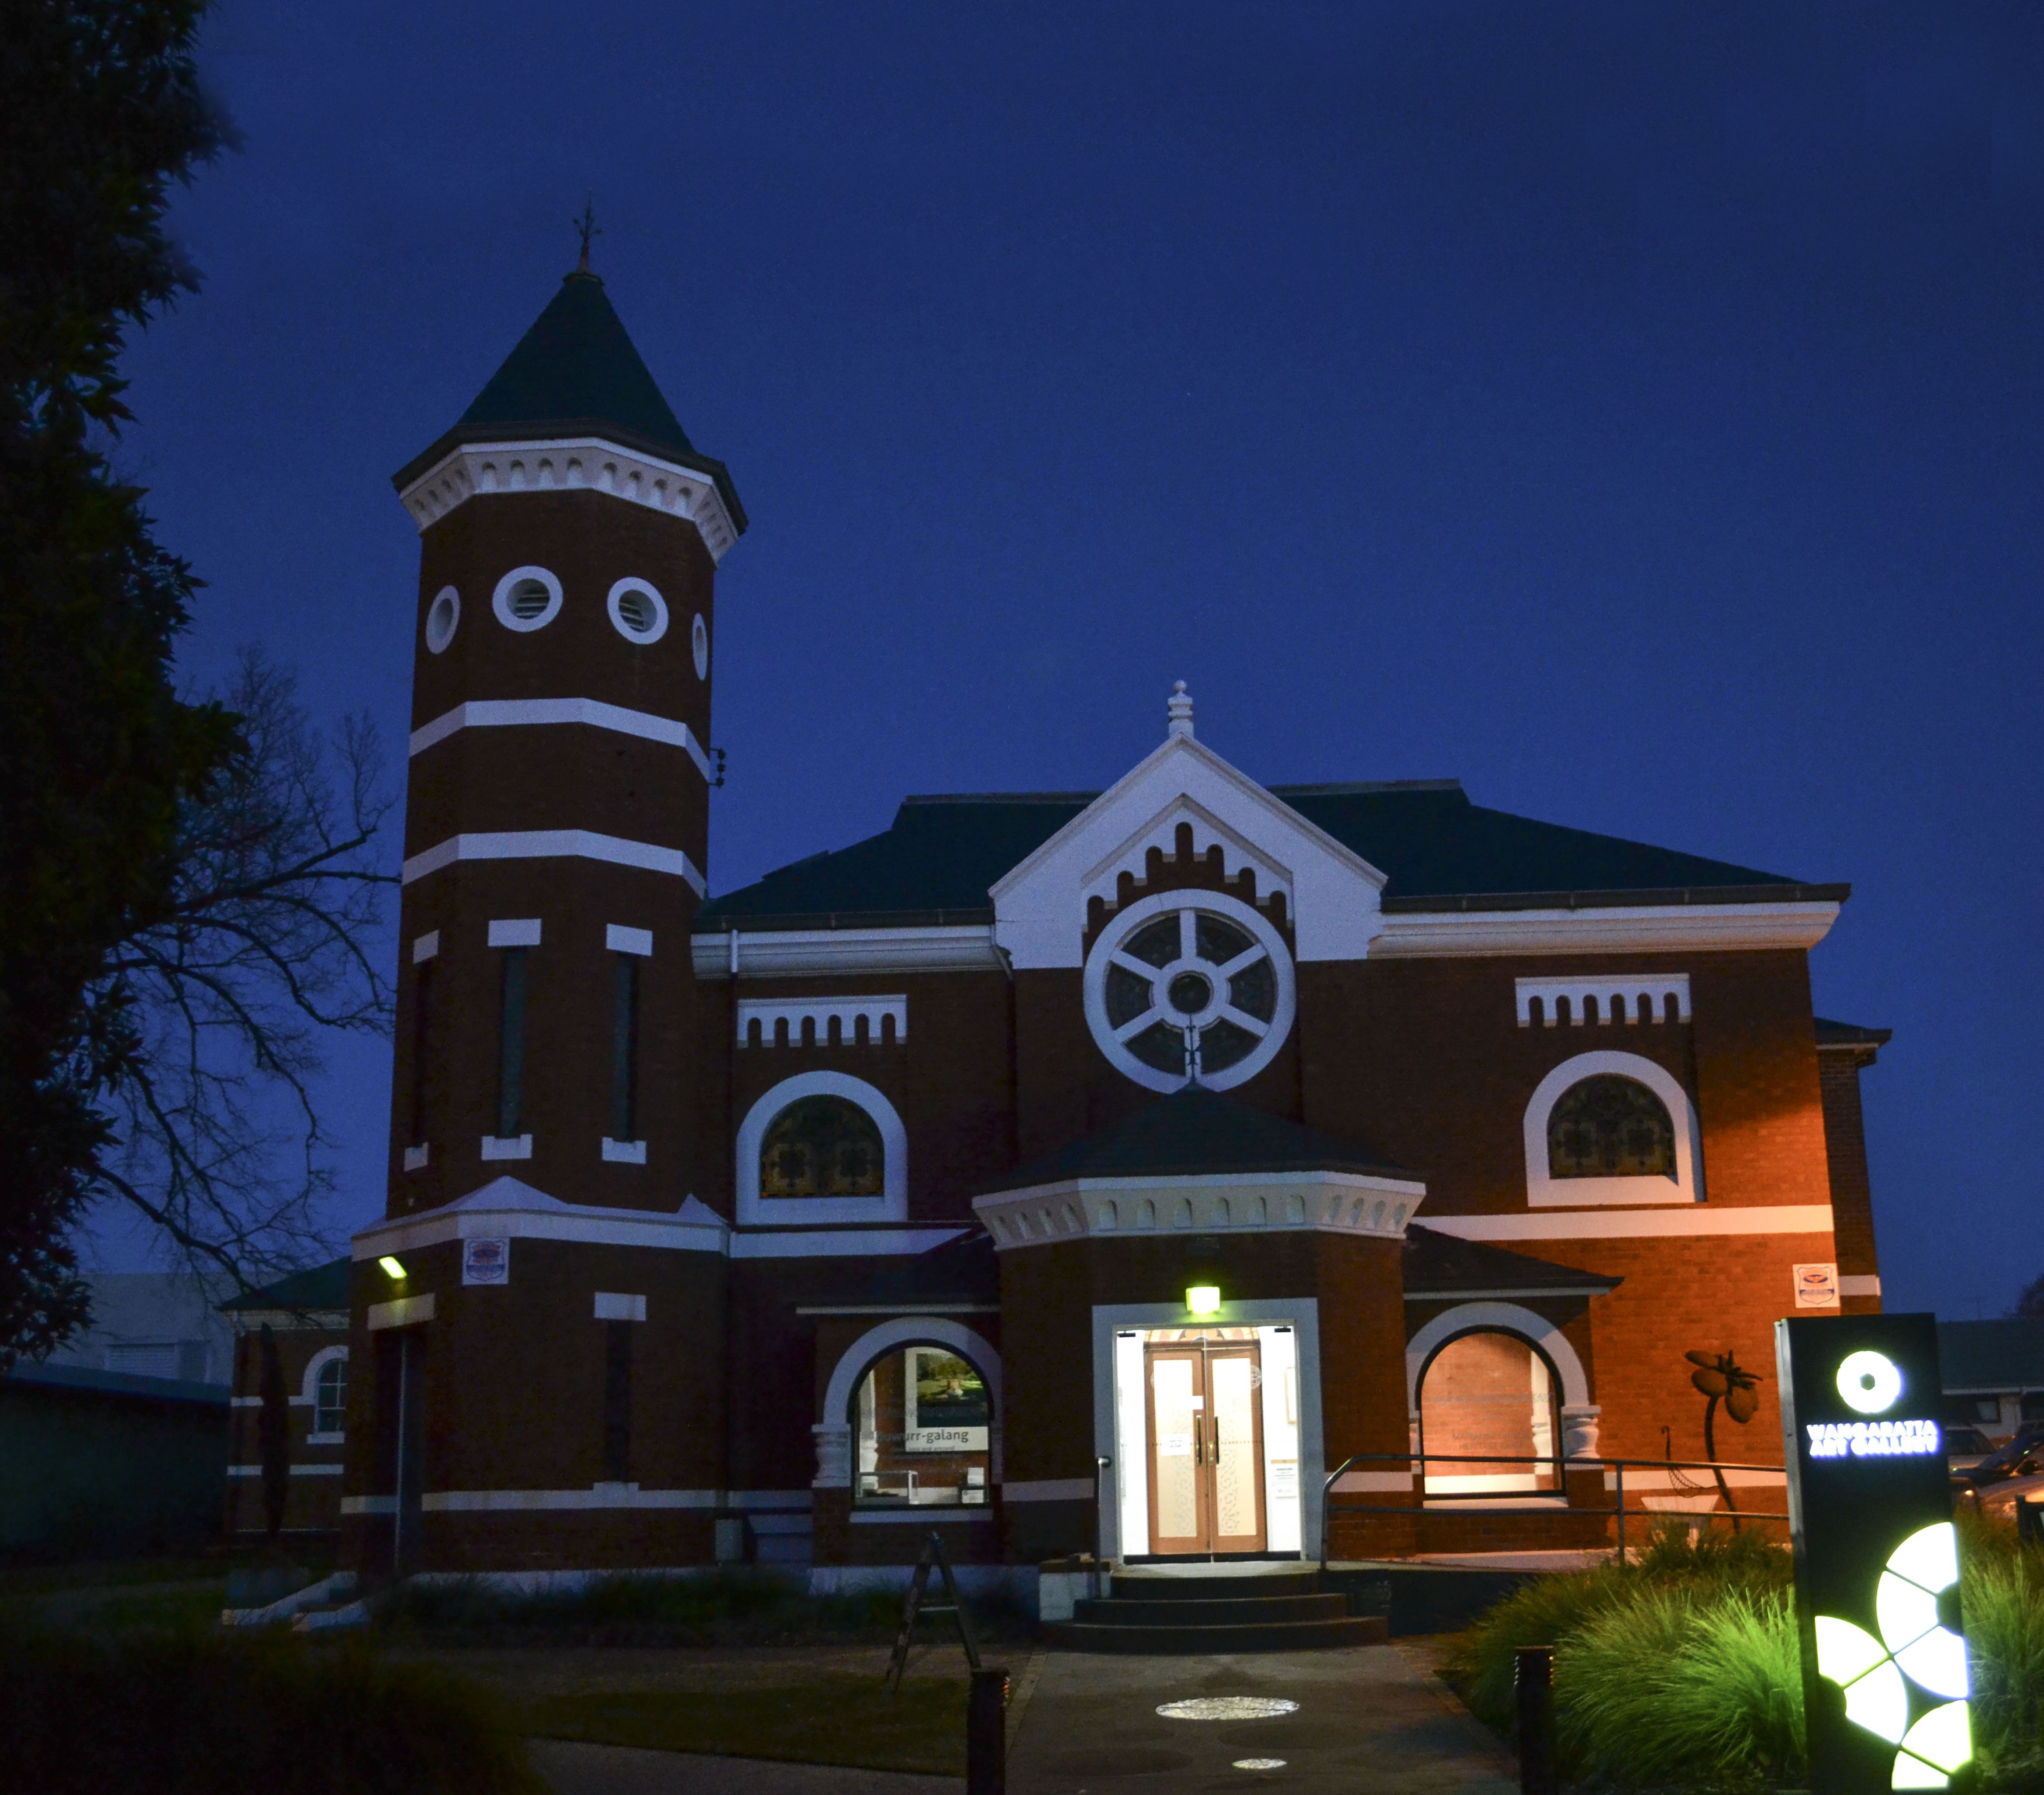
column 822, row 1147
column 1610, row 1127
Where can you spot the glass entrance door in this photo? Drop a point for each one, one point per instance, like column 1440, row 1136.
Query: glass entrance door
column 1206, row 1447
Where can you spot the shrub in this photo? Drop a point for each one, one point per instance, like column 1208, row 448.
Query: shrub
column 187, row 1713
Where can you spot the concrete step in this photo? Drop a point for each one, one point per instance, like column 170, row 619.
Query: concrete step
column 1125, row 1611
column 1169, row 1585
column 1282, row 1635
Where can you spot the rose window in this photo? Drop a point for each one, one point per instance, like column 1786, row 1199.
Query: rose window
column 1189, row 987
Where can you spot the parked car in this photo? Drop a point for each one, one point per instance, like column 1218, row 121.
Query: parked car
column 1964, row 1447
column 2023, row 1456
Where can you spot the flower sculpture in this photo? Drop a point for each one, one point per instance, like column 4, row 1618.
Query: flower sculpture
column 1720, row 1377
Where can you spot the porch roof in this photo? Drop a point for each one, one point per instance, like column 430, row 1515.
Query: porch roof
column 1439, row 1265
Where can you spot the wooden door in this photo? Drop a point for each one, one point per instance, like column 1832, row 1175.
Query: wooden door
column 1235, row 1448
column 1205, row 1427
column 1176, row 1379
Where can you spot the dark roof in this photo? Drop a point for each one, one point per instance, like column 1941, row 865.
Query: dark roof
column 1194, row 1131
column 86, row 1379
column 1439, row 1264
column 324, row 1286
column 962, row 1270
column 1438, row 850
column 1991, row 1355
column 575, row 373
column 1850, row 1035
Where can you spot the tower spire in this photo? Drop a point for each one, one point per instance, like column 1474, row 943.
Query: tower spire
column 587, row 227
column 1179, row 711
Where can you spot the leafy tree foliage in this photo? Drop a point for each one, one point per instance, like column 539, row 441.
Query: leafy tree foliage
column 2029, row 1305
column 100, row 112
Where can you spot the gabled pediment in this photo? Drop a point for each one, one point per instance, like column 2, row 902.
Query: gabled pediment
column 1331, row 894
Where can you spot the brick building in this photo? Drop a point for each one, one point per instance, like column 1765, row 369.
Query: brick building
column 1052, row 1167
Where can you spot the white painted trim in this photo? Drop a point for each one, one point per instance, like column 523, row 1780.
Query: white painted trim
column 500, row 600
column 437, row 638
column 339, row 1437
column 645, row 589
column 1859, row 1284
column 507, row 1147
column 801, row 953
column 1546, row 1192
column 416, row 1159
column 508, row 1208
column 1051, row 1489
column 424, row 947
column 598, row 1496
column 624, row 1152
column 615, row 1305
column 621, row 939
column 891, row 1205
column 841, row 1242
column 1648, row 991
column 1161, row 833
column 587, row 463
column 1039, row 904
column 400, row 1311
column 699, row 646
column 515, row 932
column 308, row 1395
column 1350, row 1203
column 549, row 844
column 1302, row 1314
column 858, row 1359
column 1630, row 928
column 1496, row 1318
column 498, row 713
column 1640, row 1224
column 768, row 1012
column 1147, row 910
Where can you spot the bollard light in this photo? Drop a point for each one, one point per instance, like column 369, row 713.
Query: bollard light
column 1203, row 1299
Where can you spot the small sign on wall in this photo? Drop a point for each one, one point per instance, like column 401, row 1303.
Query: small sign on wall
column 486, row 1260
column 1816, row 1286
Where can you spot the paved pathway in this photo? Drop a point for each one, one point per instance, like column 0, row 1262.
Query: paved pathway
column 1370, row 1722
column 621, row 1769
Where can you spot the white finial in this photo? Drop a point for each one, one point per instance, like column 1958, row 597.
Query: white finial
column 1181, row 710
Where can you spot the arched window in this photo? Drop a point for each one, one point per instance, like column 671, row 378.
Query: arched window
column 1488, row 1393
column 922, row 1422
column 1609, row 1126
column 822, row 1147
column 330, row 1397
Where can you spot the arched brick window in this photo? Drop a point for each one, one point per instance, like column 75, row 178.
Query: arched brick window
column 1485, row 1392
column 1610, row 1126
column 823, row 1145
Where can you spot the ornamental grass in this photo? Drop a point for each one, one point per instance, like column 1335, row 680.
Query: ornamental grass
column 1683, row 1671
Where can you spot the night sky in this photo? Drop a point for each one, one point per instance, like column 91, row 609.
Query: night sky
column 1632, row 410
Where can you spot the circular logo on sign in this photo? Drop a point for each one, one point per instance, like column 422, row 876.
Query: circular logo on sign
column 1870, row 1382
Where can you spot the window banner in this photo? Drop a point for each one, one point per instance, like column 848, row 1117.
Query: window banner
column 1885, row 1677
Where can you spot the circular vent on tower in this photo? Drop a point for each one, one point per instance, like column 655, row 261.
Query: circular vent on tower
column 639, row 612
column 527, row 598
column 442, row 615
column 699, row 640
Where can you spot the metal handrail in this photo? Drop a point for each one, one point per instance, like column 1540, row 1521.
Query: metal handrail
column 1558, row 1466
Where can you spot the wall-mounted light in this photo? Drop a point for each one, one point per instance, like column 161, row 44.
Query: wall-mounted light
column 392, row 1269
column 1203, row 1299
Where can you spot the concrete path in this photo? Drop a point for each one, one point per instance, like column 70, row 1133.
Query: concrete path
column 621, row 1770
column 1368, row 1719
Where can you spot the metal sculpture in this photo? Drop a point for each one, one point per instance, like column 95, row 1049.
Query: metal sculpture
column 1719, row 1377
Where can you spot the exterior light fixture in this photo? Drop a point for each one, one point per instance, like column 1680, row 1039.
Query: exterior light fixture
column 392, row 1269
column 1203, row 1299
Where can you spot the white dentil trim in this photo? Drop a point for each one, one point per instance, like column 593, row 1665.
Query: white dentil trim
column 1545, row 1191
column 546, row 844
column 1349, row 1203
column 572, row 463
column 500, row 713
column 1161, row 833
column 1640, row 1224
column 794, row 953
column 1646, row 994
column 1039, row 907
column 891, row 1205
column 767, row 1012
column 1633, row 928
column 1497, row 1318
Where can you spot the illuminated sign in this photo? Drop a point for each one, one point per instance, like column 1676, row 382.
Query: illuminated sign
column 1884, row 1677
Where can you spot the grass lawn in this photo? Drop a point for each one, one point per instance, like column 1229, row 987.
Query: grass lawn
column 823, row 1718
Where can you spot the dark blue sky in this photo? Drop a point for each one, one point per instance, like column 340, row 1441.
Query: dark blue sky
column 1631, row 409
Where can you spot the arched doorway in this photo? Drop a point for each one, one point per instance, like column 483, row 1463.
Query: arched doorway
column 922, row 1420
column 1490, row 1391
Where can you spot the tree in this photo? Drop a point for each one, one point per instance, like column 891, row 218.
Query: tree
column 2029, row 1305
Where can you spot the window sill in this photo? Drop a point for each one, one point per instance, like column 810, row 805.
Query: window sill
column 338, row 1439
column 497, row 1146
